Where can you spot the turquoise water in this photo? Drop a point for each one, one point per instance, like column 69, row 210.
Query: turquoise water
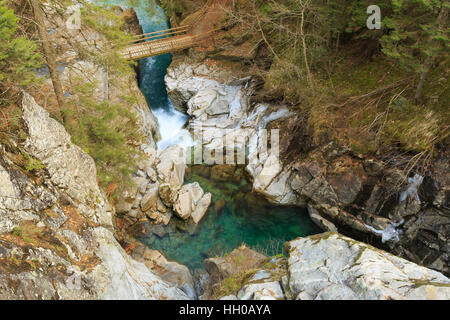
column 245, row 218
column 151, row 77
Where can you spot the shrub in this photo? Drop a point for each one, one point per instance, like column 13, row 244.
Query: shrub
column 105, row 131
column 18, row 56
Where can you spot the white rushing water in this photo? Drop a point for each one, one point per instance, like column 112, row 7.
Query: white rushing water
column 151, row 79
column 171, row 123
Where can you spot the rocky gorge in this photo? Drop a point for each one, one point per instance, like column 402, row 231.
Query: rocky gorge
column 61, row 237
column 342, row 190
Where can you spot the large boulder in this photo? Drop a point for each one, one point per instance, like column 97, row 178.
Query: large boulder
column 330, row 266
column 192, row 202
column 170, row 271
column 187, row 200
column 201, row 208
column 171, row 166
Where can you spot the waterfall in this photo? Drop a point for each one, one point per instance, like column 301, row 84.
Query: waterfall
column 151, row 78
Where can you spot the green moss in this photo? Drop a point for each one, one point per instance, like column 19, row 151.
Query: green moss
column 232, row 285
column 419, row 283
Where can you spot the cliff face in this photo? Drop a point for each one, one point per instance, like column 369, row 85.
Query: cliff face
column 57, row 227
column 56, row 231
column 343, row 191
column 359, row 195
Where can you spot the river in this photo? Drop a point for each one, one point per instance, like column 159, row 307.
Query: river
column 236, row 215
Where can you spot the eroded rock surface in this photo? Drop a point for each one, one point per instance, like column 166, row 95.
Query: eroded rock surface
column 345, row 192
column 56, row 231
column 330, row 266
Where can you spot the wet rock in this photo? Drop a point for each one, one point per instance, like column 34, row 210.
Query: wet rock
column 159, row 230
column 346, row 185
column 426, row 239
column 202, row 283
column 320, row 221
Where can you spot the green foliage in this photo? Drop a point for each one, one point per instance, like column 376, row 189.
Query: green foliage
column 359, row 85
column 416, row 33
column 104, row 130
column 17, row 231
column 18, row 56
column 32, row 164
column 108, row 23
column 173, row 7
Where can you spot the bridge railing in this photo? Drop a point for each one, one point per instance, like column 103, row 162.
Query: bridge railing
column 157, row 35
column 161, row 42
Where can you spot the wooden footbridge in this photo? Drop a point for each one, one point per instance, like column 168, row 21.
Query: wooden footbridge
column 161, row 42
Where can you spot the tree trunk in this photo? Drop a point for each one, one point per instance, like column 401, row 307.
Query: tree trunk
column 440, row 20
column 305, row 51
column 49, row 55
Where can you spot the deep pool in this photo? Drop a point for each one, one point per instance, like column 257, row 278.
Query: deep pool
column 245, row 218
column 236, row 215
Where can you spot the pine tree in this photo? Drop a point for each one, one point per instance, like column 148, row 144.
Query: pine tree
column 49, row 54
column 418, row 35
column 18, row 56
